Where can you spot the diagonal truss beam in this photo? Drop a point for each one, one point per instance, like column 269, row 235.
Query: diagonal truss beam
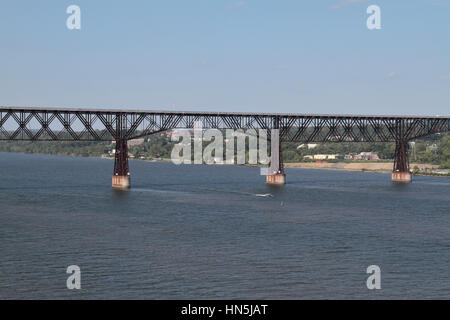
column 41, row 124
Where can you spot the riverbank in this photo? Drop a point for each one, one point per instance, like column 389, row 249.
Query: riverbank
column 356, row 166
column 420, row 169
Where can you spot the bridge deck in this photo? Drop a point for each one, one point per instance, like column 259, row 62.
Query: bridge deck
column 199, row 113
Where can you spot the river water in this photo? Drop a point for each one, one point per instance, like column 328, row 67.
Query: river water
column 206, row 232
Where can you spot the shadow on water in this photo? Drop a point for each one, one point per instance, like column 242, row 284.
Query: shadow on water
column 276, row 190
column 402, row 187
column 120, row 193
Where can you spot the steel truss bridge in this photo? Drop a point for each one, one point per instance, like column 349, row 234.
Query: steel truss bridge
column 61, row 124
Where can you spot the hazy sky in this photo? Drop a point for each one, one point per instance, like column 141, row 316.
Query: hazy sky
column 218, row 55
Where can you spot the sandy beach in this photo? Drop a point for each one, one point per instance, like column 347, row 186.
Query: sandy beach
column 371, row 166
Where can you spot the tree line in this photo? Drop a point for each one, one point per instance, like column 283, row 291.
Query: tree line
column 433, row 149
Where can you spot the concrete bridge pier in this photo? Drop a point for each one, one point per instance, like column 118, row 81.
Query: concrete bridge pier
column 121, row 177
column 276, row 179
column 276, row 175
column 401, row 172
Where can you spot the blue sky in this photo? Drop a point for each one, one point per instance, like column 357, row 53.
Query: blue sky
column 219, row 55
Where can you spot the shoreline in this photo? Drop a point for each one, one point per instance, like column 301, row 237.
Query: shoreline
column 425, row 169
column 374, row 167
column 357, row 166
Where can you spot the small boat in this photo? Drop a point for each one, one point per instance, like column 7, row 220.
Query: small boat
column 264, row 195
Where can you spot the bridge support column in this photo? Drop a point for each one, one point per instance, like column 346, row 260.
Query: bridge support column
column 401, row 173
column 121, row 177
column 276, row 175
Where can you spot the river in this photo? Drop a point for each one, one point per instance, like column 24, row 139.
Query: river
column 213, row 232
